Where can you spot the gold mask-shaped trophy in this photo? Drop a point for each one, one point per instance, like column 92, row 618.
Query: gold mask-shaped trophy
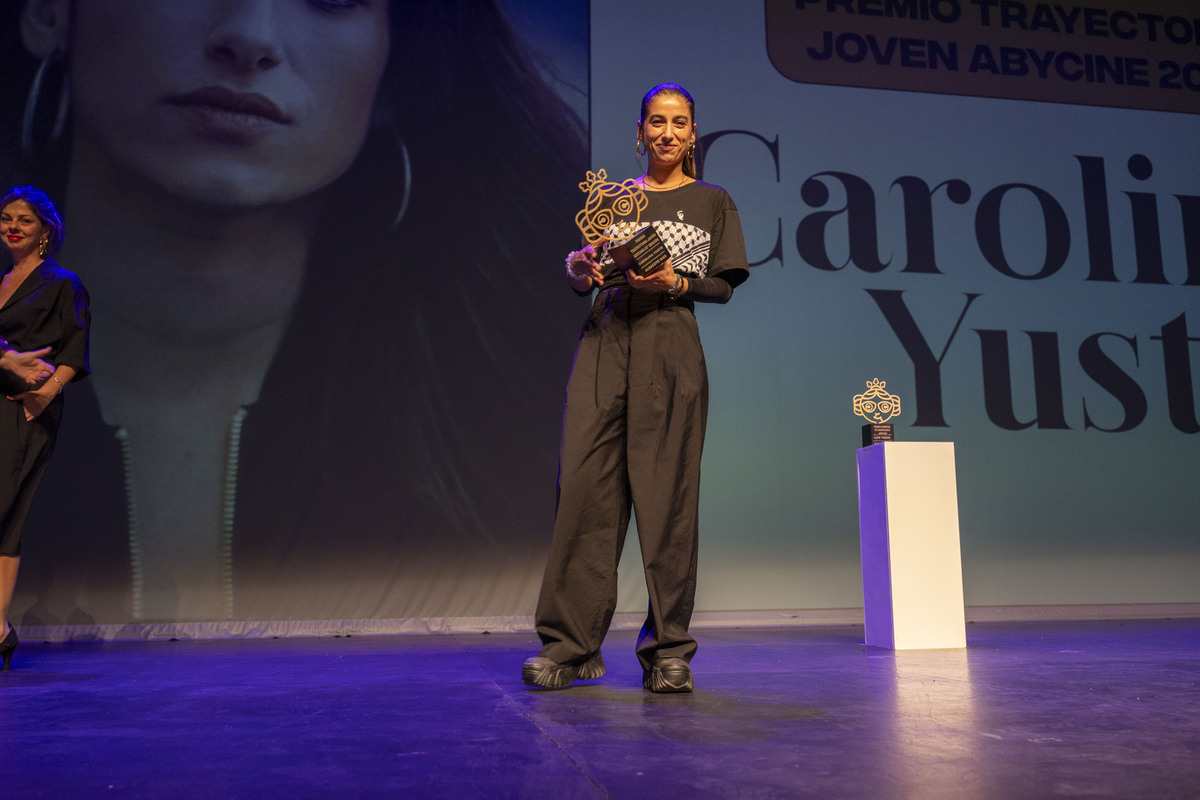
column 607, row 211
column 876, row 406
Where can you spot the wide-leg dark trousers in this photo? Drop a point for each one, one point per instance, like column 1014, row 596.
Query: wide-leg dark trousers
column 632, row 435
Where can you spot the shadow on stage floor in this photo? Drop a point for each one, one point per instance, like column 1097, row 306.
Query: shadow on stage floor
column 1029, row 710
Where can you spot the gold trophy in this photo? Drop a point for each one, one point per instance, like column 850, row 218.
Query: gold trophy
column 607, row 211
column 876, row 406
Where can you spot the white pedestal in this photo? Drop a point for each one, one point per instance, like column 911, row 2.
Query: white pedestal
column 911, row 562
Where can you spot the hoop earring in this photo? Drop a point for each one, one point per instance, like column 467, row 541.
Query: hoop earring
column 404, row 200
column 31, row 104
column 374, row 179
column 691, row 153
column 641, row 148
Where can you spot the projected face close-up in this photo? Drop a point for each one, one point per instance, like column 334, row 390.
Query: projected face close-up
column 226, row 103
column 251, row 429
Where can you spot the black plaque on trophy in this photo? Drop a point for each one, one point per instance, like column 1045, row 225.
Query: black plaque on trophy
column 645, row 252
column 874, row 434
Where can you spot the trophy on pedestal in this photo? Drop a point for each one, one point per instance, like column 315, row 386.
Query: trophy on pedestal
column 876, row 406
column 607, row 211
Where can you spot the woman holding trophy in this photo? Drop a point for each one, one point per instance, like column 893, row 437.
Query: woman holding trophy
column 636, row 409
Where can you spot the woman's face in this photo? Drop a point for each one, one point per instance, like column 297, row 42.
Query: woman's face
column 22, row 228
column 667, row 130
column 227, row 102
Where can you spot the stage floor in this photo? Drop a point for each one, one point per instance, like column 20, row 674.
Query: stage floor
column 1029, row 710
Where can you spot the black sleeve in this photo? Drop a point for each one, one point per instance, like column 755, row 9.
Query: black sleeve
column 709, row 290
column 75, row 320
column 728, row 255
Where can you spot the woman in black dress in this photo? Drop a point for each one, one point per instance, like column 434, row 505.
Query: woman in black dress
column 43, row 314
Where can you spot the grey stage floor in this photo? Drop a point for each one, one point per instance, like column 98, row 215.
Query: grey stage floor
column 1076, row 710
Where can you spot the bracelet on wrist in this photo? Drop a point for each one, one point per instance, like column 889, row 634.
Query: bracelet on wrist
column 570, row 260
column 60, row 385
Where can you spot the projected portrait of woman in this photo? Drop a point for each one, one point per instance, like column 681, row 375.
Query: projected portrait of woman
column 319, row 343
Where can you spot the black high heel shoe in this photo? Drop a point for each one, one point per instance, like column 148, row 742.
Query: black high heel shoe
column 8, row 646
